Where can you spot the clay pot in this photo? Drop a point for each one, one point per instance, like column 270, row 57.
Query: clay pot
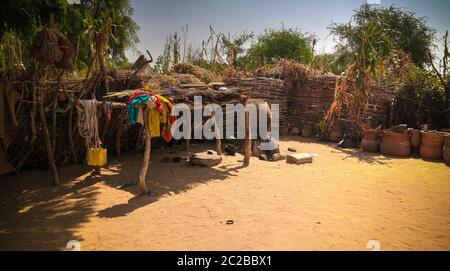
column 307, row 130
column 336, row 133
column 396, row 144
column 295, row 131
column 446, row 150
column 399, row 128
column 432, row 145
column 414, row 138
column 370, row 141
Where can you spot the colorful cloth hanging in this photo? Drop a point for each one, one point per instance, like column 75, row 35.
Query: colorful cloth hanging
column 133, row 112
column 158, row 112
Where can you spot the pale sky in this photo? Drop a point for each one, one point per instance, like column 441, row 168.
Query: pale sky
column 159, row 18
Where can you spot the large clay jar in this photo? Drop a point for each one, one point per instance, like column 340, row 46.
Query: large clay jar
column 446, row 149
column 396, row 144
column 370, row 141
column 432, row 145
column 336, row 133
column 307, row 130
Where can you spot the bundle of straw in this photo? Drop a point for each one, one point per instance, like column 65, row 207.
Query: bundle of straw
column 51, row 47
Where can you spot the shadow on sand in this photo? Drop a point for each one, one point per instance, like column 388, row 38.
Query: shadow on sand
column 37, row 216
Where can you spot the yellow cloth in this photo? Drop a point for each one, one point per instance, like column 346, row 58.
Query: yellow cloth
column 163, row 118
column 153, row 120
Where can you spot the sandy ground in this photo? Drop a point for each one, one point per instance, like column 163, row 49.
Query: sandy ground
column 339, row 202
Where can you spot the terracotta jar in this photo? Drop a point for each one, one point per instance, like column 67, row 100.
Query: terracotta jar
column 336, row 133
column 307, row 130
column 370, row 141
column 396, row 144
column 432, row 145
column 446, row 149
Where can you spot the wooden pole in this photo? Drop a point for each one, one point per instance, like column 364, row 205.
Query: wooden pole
column 33, row 129
column 141, row 183
column 72, row 145
column 187, row 144
column 48, row 144
column 217, row 135
column 247, row 141
column 119, row 132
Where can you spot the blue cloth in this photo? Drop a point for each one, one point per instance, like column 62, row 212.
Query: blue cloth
column 132, row 111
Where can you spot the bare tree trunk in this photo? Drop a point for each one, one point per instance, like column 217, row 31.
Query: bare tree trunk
column 48, row 145
column 141, row 183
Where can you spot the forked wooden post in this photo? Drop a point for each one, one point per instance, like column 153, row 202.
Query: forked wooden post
column 217, row 135
column 48, row 144
column 142, row 185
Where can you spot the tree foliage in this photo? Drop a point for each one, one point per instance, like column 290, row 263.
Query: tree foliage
column 273, row 45
column 78, row 21
column 406, row 32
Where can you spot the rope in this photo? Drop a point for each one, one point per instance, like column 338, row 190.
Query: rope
column 88, row 123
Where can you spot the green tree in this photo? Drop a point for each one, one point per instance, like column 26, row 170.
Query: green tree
column 26, row 17
column 406, row 31
column 273, row 45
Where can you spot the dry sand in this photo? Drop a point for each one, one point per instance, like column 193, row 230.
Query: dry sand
column 339, row 202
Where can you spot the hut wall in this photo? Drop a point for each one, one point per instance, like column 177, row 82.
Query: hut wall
column 273, row 91
column 307, row 102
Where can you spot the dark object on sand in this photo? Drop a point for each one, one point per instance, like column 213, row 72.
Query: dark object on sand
column 165, row 160
column 292, row 150
column 230, row 222
column 230, row 149
column 349, row 142
column 128, row 184
column 176, row 159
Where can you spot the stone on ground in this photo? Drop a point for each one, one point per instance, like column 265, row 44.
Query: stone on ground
column 207, row 159
column 299, row 158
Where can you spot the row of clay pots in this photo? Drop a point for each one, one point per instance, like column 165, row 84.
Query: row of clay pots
column 432, row 145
